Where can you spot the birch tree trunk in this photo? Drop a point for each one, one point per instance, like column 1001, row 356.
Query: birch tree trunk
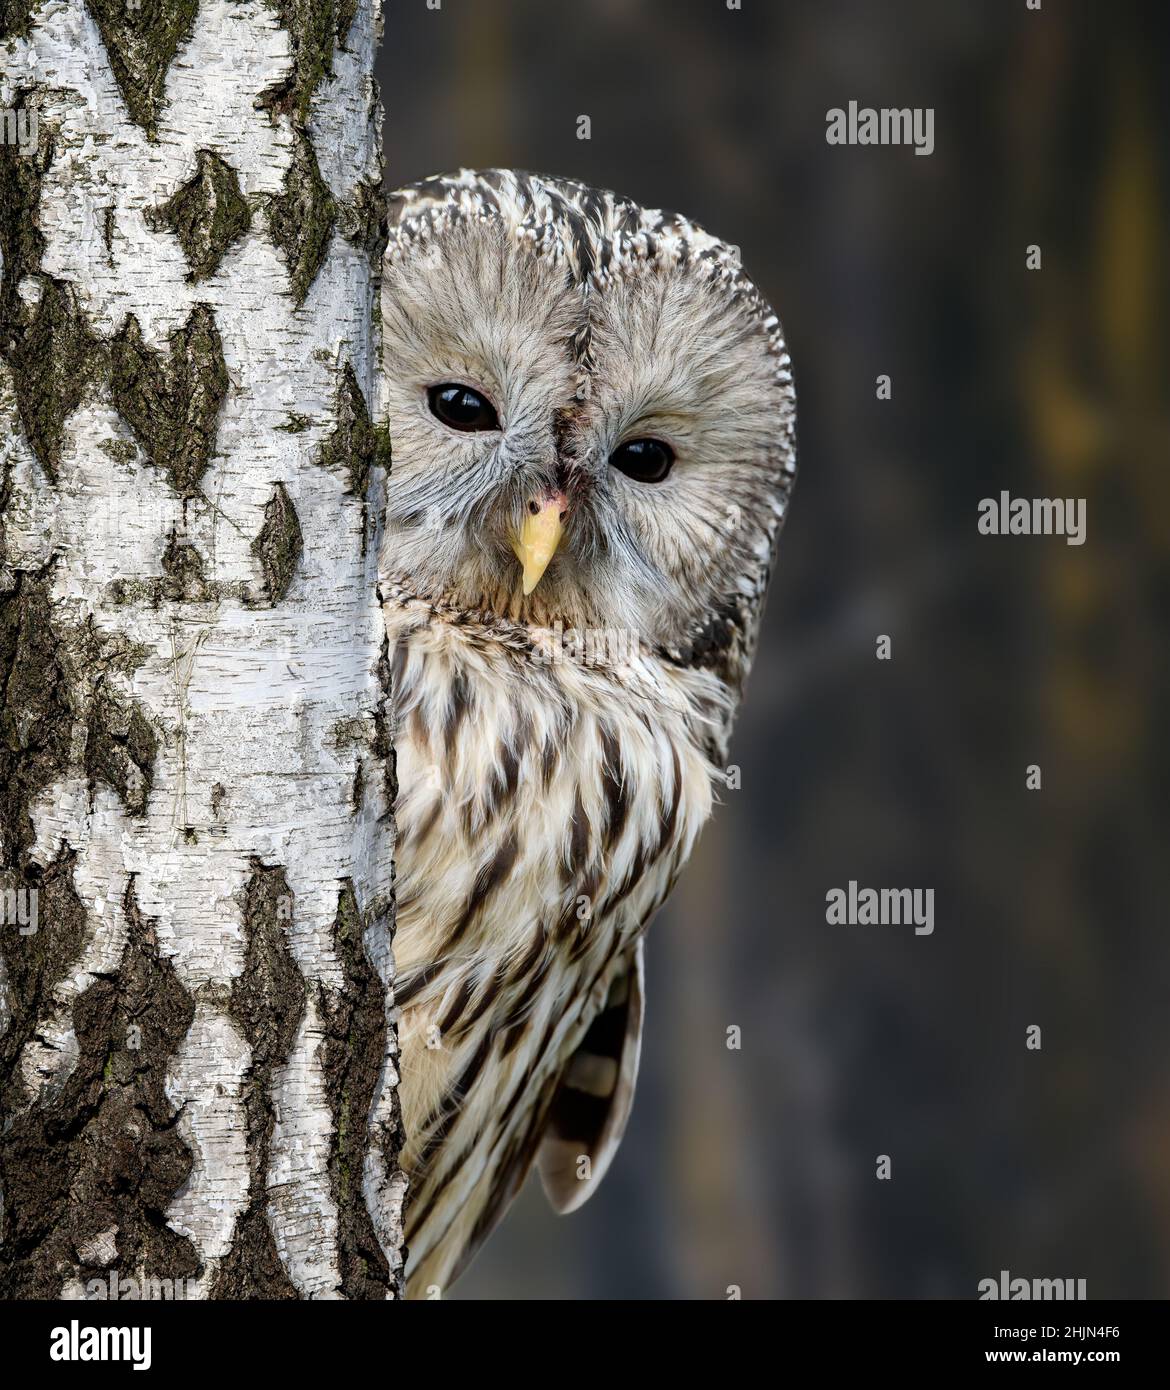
column 197, row 1049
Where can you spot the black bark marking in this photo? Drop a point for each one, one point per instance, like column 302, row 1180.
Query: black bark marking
column 280, row 545
column 56, row 360
column 183, row 580
column 21, row 176
column 355, row 445
column 352, row 1058
column 55, row 679
column 362, row 219
column 346, row 14
column 172, row 401
column 184, row 572
column 313, row 26
column 16, row 17
column 100, row 1152
column 38, row 961
column 300, row 220
column 207, row 214
column 36, row 708
column 383, row 744
column 141, row 41
column 120, row 749
column 267, row 1004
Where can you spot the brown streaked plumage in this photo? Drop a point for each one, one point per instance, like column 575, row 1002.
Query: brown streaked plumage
column 568, row 644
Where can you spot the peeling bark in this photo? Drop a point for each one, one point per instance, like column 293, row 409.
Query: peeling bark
column 197, row 1043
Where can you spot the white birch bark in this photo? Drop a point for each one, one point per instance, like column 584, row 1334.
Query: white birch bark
column 198, row 1035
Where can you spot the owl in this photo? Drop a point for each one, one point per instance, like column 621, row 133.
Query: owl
column 592, row 420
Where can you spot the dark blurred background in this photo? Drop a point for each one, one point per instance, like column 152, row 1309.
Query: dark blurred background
column 756, row 1167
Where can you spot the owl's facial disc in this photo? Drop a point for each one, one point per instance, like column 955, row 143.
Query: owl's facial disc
column 591, row 413
column 540, row 534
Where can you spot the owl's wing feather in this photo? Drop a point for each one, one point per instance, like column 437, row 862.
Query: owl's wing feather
column 592, row 1102
column 572, row 1118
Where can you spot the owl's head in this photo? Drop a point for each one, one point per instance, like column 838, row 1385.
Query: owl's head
column 591, row 414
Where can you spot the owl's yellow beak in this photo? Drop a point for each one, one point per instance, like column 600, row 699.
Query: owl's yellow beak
column 540, row 534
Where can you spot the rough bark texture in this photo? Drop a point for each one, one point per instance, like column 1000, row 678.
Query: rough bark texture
column 197, row 1046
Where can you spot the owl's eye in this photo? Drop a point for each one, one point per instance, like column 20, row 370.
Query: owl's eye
column 462, row 408
column 644, row 460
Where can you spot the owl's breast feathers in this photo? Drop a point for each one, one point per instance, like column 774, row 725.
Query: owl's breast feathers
column 546, row 806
